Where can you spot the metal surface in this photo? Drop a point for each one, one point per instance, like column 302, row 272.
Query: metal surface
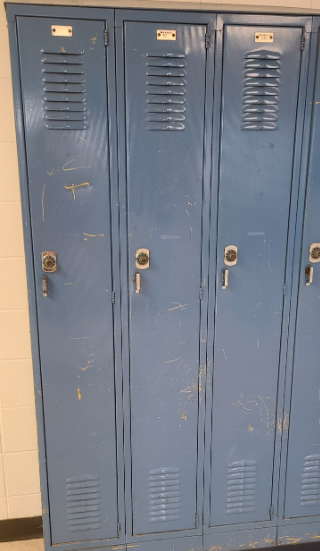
column 303, row 463
column 77, row 358
column 254, row 198
column 165, row 94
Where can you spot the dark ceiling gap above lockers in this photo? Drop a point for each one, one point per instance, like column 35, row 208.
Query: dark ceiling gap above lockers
column 173, row 320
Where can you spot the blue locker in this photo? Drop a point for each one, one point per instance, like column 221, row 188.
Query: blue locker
column 159, row 186
column 66, row 121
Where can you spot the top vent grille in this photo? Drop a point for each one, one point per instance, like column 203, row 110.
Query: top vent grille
column 261, row 89
column 166, row 90
column 64, row 90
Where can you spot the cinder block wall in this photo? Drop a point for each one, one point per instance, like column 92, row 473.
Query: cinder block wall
column 19, row 478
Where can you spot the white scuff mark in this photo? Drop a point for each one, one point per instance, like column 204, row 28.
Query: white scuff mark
column 175, row 360
column 179, row 306
column 224, row 352
column 42, row 200
column 255, row 233
column 170, row 236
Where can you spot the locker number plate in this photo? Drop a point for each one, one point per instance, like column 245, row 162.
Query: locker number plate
column 166, row 35
column 61, row 30
column 263, row 37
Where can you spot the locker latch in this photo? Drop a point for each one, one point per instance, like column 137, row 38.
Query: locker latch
column 224, row 278
column 137, row 282
column 308, row 275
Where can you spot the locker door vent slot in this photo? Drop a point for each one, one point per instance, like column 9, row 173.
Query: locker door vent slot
column 310, row 487
column 166, row 90
column 242, row 484
column 164, row 495
column 83, row 496
column 261, row 88
column 64, row 90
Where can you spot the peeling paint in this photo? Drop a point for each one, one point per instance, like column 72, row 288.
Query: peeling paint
column 79, row 394
column 184, row 417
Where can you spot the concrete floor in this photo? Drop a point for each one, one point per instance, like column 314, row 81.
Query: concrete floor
column 27, row 545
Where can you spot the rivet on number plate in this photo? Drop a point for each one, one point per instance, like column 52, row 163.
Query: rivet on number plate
column 61, row 30
column 263, row 37
column 166, row 34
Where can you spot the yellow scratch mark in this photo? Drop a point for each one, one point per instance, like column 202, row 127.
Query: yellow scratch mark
column 268, row 541
column 317, row 102
column 250, row 429
column 85, row 239
column 50, row 173
column 93, row 39
column 94, row 234
column 42, row 200
column 315, row 537
column 189, row 203
column 184, row 417
column 73, row 187
column 62, row 49
column 84, row 368
column 177, row 307
column 69, row 283
column 175, row 360
column 79, row 394
column 293, row 540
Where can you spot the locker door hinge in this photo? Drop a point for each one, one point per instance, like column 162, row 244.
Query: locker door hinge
column 197, row 521
column 113, row 297
column 207, row 40
column 303, row 42
column 271, row 512
column 119, row 528
column 285, row 289
column 200, row 293
column 106, row 37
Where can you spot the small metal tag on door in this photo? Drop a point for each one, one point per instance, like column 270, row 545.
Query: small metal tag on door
column 61, row 30
column 166, row 34
column 263, row 37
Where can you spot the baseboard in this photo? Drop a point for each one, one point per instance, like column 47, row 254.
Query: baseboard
column 21, row 529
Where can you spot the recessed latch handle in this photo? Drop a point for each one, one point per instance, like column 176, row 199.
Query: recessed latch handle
column 137, row 282
column 224, row 278
column 44, row 286
column 308, row 275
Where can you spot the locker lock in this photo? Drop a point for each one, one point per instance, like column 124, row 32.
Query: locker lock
column 142, row 258
column 49, row 261
column 230, row 255
column 314, row 252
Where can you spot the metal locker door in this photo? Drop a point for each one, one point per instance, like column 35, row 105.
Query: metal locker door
column 302, row 489
column 261, row 68
column 164, row 94
column 63, row 75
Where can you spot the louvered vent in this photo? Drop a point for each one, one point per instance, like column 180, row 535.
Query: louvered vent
column 261, row 89
column 242, row 484
column 83, row 496
column 164, row 495
column 166, row 91
column 310, row 487
column 64, row 90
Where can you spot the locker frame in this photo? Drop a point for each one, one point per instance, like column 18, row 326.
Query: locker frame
column 105, row 15
column 273, row 20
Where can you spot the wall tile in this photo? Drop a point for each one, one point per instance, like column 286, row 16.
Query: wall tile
column 11, row 238
column 19, row 429
column 22, row 473
column 15, row 334
column 24, row 506
column 7, row 129
column 16, row 383
column 13, row 284
column 3, row 512
column 9, row 189
column 2, row 484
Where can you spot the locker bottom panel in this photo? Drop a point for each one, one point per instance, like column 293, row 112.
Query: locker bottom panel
column 189, row 543
column 291, row 534
column 241, row 539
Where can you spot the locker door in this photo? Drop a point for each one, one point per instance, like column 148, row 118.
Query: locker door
column 259, row 102
column 164, row 87
column 65, row 111
column 303, row 465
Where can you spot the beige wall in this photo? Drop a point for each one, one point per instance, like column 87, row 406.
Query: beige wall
column 19, row 479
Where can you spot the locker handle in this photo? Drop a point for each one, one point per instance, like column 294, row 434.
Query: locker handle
column 44, row 286
column 137, row 282
column 308, row 274
column 224, row 278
